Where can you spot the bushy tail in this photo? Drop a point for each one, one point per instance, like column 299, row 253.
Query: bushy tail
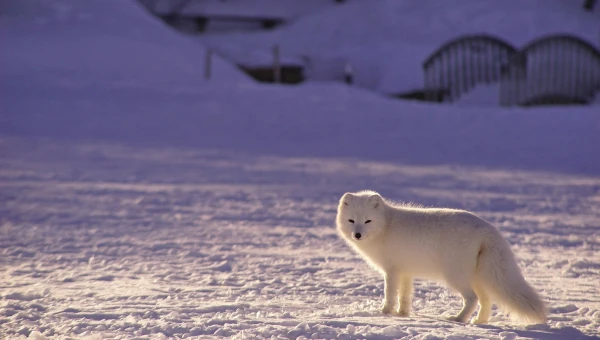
column 501, row 277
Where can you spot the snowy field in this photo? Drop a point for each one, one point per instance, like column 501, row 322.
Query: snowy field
column 140, row 201
column 107, row 241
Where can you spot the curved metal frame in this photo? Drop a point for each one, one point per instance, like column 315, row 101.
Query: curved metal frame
column 467, row 38
column 564, row 37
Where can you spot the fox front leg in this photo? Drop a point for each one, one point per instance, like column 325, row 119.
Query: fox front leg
column 406, row 294
column 391, row 285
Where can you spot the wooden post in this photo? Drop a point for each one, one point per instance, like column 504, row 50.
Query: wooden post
column 208, row 64
column 589, row 5
column 276, row 64
column 348, row 73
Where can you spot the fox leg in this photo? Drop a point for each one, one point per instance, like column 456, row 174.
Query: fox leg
column 463, row 286
column 406, row 292
column 391, row 292
column 485, row 306
column 469, row 305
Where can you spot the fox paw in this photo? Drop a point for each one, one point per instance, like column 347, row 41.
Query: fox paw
column 476, row 321
column 402, row 313
column 387, row 310
column 456, row 319
column 394, row 312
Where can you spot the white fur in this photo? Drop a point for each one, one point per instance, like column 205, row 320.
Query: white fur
column 454, row 246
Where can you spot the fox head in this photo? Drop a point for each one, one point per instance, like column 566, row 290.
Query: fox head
column 360, row 216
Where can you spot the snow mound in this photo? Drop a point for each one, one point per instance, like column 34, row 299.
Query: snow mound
column 74, row 42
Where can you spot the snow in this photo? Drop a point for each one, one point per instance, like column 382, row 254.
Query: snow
column 388, row 40
column 140, row 201
column 65, row 42
column 285, row 9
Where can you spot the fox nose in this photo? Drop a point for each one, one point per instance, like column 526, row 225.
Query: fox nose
column 357, row 236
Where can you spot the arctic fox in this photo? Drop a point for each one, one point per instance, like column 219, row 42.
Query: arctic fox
column 454, row 246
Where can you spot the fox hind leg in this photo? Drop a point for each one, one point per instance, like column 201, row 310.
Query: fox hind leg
column 485, row 306
column 459, row 274
column 463, row 286
column 469, row 305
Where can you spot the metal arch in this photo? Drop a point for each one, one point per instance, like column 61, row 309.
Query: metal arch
column 565, row 37
column 470, row 37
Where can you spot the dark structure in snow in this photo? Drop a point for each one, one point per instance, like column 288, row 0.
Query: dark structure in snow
column 288, row 73
column 553, row 69
column 459, row 65
column 589, row 5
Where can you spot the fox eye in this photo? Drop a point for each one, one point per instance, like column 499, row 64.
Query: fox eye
column 367, row 221
column 351, row 221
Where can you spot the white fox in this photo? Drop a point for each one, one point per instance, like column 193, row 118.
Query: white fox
column 454, row 246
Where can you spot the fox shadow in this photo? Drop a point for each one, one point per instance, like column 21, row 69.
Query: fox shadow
column 545, row 332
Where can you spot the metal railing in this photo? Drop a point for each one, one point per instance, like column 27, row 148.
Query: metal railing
column 552, row 69
column 459, row 65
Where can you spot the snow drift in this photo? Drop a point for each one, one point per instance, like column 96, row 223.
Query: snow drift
column 76, row 43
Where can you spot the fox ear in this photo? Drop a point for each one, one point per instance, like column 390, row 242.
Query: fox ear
column 346, row 198
column 375, row 200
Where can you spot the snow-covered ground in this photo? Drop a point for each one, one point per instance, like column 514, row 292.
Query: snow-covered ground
column 140, row 201
column 110, row 241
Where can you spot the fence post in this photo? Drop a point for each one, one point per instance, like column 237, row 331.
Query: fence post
column 589, row 5
column 208, row 64
column 503, row 86
column 348, row 73
column 276, row 64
